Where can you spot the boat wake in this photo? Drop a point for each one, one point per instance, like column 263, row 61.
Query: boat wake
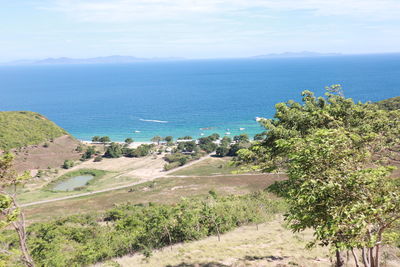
column 154, row 121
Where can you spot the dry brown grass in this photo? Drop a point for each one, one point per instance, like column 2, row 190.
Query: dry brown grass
column 271, row 245
column 163, row 190
column 40, row 157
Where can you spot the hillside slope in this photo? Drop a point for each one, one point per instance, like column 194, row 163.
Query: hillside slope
column 24, row 128
column 390, row 103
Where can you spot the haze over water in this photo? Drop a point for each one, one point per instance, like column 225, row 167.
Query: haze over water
column 178, row 98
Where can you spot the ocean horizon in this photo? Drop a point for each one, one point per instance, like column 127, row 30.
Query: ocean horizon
column 191, row 97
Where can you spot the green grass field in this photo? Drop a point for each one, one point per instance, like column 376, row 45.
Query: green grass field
column 23, row 128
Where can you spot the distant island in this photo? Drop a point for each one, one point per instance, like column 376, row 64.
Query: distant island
column 297, row 54
column 116, row 59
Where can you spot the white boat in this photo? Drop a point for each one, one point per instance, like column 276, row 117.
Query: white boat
column 242, row 129
column 227, row 133
column 137, row 131
column 201, row 134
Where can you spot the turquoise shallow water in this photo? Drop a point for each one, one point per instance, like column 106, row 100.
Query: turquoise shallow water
column 179, row 98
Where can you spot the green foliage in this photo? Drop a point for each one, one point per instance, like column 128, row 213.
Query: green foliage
column 68, row 164
column 177, row 157
column 23, row 128
column 390, row 104
column 128, row 140
column 96, row 139
column 98, row 159
column 188, row 146
column 168, row 139
column 86, row 239
column 156, row 139
column 104, row 139
column 333, row 150
column 214, row 137
column 296, row 120
column 114, row 150
column 243, row 138
column 89, row 153
column 172, row 165
column 335, row 189
column 187, row 137
column 207, row 144
column 222, row 151
column 141, row 151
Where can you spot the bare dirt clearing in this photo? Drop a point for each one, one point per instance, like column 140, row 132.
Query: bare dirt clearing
column 50, row 155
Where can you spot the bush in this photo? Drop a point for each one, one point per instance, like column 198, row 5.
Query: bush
column 114, row 150
column 170, row 166
column 98, row 159
column 68, row 164
column 222, row 151
column 141, row 151
column 87, row 239
column 90, row 151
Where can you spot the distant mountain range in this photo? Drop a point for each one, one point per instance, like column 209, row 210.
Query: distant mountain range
column 95, row 60
column 129, row 59
column 298, row 54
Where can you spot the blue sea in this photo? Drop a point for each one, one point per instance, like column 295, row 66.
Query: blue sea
column 178, row 98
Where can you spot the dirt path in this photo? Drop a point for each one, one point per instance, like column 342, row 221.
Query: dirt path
column 117, row 187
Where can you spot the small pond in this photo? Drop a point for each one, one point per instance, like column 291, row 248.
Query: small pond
column 71, row 183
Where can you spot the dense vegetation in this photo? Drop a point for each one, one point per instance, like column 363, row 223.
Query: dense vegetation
column 335, row 152
column 390, row 104
column 85, row 239
column 23, row 128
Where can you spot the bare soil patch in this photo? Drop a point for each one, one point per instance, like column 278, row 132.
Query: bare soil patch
column 42, row 156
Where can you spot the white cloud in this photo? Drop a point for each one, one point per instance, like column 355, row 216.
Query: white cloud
column 137, row 10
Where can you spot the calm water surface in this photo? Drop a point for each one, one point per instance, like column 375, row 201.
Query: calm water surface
column 179, row 98
column 71, row 183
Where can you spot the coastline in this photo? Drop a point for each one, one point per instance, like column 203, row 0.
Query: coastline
column 132, row 145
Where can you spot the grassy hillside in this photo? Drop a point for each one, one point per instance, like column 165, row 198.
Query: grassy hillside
column 390, row 104
column 22, row 128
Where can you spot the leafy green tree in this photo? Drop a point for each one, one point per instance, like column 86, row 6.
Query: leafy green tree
column 128, row 140
column 169, row 139
column 96, row 139
column 105, row 139
column 187, row 137
column 114, row 150
column 156, row 139
column 293, row 119
column 243, row 138
column 222, row 151
column 333, row 149
column 334, row 190
column 214, row 137
column 260, row 136
column 89, row 153
column 11, row 213
column 187, row 146
column 207, row 144
column 226, row 141
column 141, row 151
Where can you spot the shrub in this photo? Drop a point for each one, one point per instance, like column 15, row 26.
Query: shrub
column 87, row 239
column 171, row 166
column 68, row 164
column 98, row 159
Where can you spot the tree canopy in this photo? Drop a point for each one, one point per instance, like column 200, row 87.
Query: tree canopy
column 335, row 153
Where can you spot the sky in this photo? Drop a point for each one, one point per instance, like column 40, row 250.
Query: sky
column 35, row 29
